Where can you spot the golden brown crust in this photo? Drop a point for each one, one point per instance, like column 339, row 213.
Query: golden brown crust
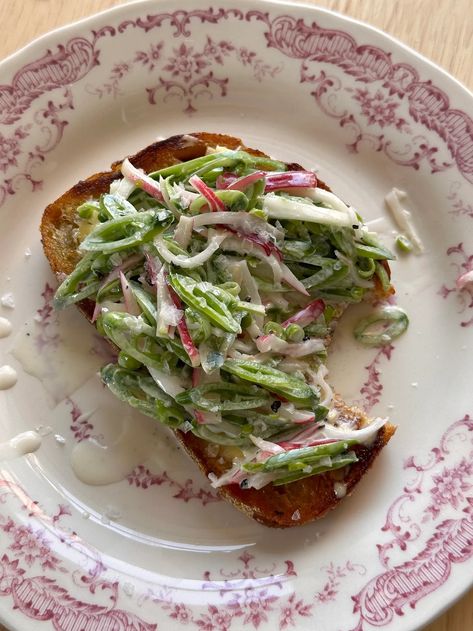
column 273, row 506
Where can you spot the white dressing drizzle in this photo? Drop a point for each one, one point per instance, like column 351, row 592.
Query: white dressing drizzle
column 20, row 445
column 8, row 377
column 5, row 327
column 395, row 200
column 98, row 464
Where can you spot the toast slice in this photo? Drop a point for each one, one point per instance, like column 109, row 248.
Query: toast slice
column 276, row 506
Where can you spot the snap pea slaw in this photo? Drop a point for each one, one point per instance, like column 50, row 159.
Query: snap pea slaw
column 219, row 280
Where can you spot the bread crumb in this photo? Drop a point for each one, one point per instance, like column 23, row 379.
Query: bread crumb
column 296, row 515
column 340, row 489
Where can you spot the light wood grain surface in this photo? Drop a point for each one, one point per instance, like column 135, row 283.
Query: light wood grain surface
column 442, row 30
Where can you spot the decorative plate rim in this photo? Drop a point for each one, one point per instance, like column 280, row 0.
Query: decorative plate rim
column 13, row 60
column 123, row 7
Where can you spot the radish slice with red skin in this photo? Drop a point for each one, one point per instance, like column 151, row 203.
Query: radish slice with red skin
column 141, row 180
column 114, row 274
column 130, row 301
column 186, row 339
column 242, row 183
column 266, row 445
column 290, row 179
column 306, row 315
column 214, row 202
column 267, row 247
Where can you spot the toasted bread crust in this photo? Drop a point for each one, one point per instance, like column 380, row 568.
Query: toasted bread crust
column 284, row 506
column 276, row 506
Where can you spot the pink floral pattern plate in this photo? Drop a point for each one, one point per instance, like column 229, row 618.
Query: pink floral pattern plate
column 159, row 550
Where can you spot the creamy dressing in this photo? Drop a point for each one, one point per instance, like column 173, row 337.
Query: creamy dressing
column 8, row 377
column 5, row 327
column 62, row 357
column 99, row 464
column 20, row 445
column 403, row 217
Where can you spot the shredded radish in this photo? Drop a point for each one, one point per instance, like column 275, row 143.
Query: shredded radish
column 183, row 233
column 233, row 476
column 167, row 200
column 114, row 274
column 170, row 384
column 268, row 247
column 308, row 347
column 213, row 201
column 279, row 207
column 249, row 224
column 182, row 196
column 244, row 182
column 140, row 179
column 266, row 445
column 224, row 180
column 464, row 280
column 249, row 289
column 306, row 315
column 322, row 196
column 307, row 437
column 130, row 301
column 273, row 343
column 290, row 445
column 122, row 187
column 206, row 418
column 189, row 262
column 289, row 412
column 289, row 179
column 274, row 181
column 290, row 279
column 259, row 480
column 326, row 393
column 274, row 299
column 363, row 435
column 168, row 314
column 153, row 265
column 233, row 244
column 248, row 348
column 186, row 339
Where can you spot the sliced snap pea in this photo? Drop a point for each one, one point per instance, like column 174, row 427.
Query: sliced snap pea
column 394, row 321
column 271, row 379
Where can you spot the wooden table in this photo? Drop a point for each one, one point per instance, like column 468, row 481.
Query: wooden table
column 442, row 30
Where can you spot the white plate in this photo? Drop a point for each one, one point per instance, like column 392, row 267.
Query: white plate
column 158, row 550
